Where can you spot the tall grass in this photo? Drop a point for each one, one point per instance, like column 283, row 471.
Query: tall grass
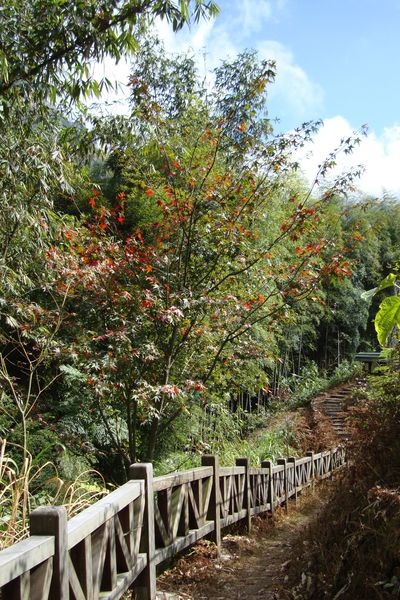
column 34, row 483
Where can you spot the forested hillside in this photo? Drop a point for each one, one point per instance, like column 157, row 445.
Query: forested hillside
column 157, row 267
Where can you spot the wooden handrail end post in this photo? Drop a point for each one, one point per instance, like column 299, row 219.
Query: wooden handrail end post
column 145, row 585
column 52, row 520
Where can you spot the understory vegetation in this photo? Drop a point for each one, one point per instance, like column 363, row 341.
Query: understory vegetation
column 268, row 432
column 168, row 278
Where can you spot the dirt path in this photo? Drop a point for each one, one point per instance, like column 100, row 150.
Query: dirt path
column 261, row 565
column 250, row 567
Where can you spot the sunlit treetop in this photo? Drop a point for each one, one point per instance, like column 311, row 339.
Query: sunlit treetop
column 47, row 46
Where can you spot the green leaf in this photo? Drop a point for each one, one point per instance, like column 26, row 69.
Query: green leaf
column 369, row 294
column 36, row 460
column 387, row 317
column 389, row 281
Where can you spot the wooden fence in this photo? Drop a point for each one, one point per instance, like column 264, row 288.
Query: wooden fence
column 117, row 543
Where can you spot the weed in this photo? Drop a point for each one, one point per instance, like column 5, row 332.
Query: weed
column 34, row 483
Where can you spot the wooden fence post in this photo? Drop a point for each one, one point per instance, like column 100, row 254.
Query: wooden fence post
column 267, row 464
column 292, row 461
column 310, row 453
column 331, row 461
column 145, row 585
column 282, row 461
column 52, row 520
column 214, row 511
column 245, row 462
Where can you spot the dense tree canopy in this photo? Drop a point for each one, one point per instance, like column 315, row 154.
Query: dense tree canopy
column 200, row 254
column 158, row 264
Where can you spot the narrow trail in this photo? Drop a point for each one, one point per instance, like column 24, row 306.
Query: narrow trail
column 258, row 565
column 332, row 406
column 251, row 566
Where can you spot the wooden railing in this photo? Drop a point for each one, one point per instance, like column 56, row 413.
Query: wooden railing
column 117, row 543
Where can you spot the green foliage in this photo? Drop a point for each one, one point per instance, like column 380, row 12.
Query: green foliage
column 178, row 288
column 388, row 315
column 312, row 382
column 162, row 87
column 47, row 49
column 226, row 434
column 307, row 384
column 346, row 371
column 388, row 282
column 153, row 266
column 189, row 285
column 387, row 318
column 48, row 46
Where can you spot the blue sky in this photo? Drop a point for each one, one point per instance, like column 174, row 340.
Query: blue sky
column 348, row 50
column 337, row 60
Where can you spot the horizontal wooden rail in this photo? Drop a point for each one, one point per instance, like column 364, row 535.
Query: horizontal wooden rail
column 173, row 479
column 26, row 566
column 117, row 543
column 181, row 509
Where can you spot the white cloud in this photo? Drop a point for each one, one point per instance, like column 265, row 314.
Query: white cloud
column 251, row 16
column 379, row 155
column 247, row 17
column 193, row 39
column 293, row 90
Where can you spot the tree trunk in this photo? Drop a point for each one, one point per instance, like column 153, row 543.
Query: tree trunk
column 152, row 441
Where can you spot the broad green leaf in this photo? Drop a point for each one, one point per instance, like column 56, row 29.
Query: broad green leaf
column 387, row 317
column 369, row 294
column 389, row 281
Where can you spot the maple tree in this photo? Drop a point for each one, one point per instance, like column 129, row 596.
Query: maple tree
column 224, row 247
